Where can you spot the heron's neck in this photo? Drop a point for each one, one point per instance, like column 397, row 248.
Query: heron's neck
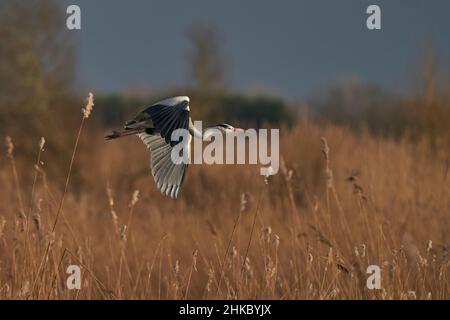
column 206, row 134
column 195, row 132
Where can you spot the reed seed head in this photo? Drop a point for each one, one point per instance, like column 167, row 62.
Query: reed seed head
column 325, row 149
column 363, row 250
column 210, row 279
column 41, row 143
column 429, row 245
column 9, row 146
column 276, row 241
column 37, row 221
column 123, row 233
column 266, row 232
column 89, row 106
column 134, row 198
column 2, row 225
column 177, row 267
column 194, row 258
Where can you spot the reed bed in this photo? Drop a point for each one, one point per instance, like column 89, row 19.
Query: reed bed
column 340, row 203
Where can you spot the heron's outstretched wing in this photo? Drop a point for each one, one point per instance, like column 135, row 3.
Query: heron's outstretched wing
column 168, row 175
column 166, row 119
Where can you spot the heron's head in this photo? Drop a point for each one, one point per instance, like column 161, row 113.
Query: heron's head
column 226, row 128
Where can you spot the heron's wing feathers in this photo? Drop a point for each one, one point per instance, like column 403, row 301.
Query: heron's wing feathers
column 166, row 119
column 168, row 175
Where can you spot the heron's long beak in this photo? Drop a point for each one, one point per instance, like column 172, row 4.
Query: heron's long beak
column 239, row 130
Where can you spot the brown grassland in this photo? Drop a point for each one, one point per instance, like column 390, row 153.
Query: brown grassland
column 338, row 205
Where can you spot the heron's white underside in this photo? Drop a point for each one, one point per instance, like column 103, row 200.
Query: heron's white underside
column 168, row 175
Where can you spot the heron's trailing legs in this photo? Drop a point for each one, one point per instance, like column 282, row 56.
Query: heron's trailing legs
column 131, row 127
column 123, row 133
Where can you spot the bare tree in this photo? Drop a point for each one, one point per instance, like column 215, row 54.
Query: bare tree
column 205, row 58
column 36, row 54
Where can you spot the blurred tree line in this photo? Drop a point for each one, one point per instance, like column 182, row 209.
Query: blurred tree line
column 236, row 109
column 38, row 98
column 360, row 106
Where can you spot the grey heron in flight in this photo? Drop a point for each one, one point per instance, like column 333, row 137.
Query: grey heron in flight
column 155, row 126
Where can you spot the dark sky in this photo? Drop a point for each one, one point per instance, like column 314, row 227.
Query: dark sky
column 283, row 47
